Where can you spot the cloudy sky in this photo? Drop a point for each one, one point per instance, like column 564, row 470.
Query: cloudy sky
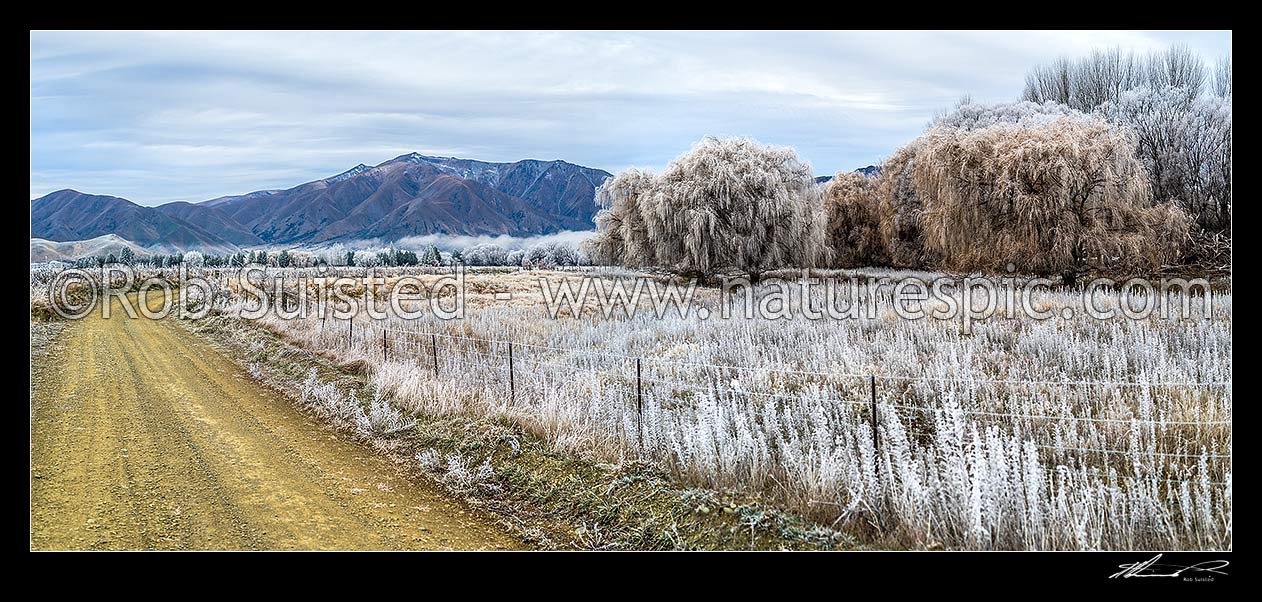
column 155, row 117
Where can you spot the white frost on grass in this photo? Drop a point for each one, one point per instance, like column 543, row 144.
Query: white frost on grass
column 1011, row 436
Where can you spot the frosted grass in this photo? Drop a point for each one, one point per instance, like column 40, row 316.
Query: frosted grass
column 1023, row 434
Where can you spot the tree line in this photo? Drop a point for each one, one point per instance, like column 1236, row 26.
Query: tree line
column 1114, row 162
column 548, row 254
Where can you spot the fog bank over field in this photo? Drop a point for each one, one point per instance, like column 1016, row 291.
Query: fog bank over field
column 452, row 242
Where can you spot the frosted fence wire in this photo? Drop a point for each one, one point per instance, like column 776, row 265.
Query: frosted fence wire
column 670, row 389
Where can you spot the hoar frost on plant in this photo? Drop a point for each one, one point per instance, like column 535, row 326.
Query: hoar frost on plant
column 516, row 257
column 727, row 204
column 367, row 259
column 552, row 254
column 327, row 401
column 975, row 116
column 382, row 417
column 430, row 460
column 460, row 476
column 1047, row 198
column 1185, row 146
column 1104, row 74
column 1179, row 109
column 971, row 455
column 486, row 254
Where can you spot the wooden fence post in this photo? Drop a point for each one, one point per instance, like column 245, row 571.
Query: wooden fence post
column 384, row 343
column 350, row 336
column 639, row 404
column 512, row 383
column 875, row 440
column 433, row 346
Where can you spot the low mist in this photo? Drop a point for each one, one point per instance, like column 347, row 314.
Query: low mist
column 459, row 242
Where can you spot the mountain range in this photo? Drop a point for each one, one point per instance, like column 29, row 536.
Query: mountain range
column 69, row 215
column 409, row 195
column 870, row 171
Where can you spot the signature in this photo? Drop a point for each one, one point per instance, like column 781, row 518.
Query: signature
column 1151, row 568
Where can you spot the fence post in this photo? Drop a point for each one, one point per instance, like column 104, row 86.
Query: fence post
column 875, row 440
column 384, row 343
column 433, row 346
column 350, row 336
column 512, row 383
column 639, row 404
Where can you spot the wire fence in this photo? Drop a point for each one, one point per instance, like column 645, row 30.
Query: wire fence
column 1094, row 427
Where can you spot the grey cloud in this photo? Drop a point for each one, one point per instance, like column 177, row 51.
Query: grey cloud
column 160, row 116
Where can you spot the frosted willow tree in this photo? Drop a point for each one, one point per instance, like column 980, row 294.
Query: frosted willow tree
column 1053, row 198
column 1185, row 143
column 854, row 222
column 622, row 237
column 900, row 205
column 727, row 204
column 1179, row 108
column 1103, row 76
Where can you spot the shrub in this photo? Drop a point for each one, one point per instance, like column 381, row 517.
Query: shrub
column 383, row 418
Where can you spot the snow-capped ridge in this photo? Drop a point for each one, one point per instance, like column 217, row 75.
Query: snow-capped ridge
column 350, row 173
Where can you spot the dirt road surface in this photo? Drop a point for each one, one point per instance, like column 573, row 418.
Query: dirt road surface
column 146, row 437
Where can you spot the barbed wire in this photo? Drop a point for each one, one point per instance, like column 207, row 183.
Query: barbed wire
column 1133, row 451
column 1055, row 417
column 528, row 359
column 911, row 434
column 828, row 374
column 656, row 382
